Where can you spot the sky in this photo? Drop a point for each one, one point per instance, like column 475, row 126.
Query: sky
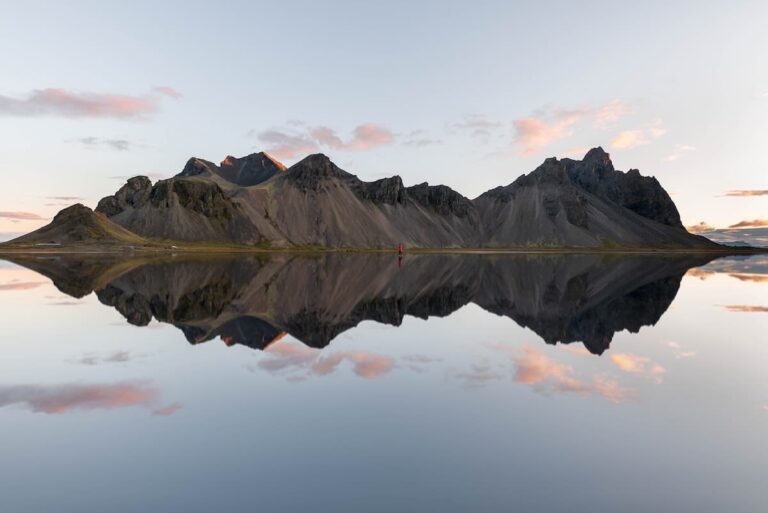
column 469, row 94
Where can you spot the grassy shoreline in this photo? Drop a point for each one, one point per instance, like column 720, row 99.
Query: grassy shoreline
column 202, row 249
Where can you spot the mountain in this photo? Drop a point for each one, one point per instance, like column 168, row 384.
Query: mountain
column 255, row 201
column 583, row 204
column 78, row 225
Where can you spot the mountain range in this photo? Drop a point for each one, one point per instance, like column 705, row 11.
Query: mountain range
column 257, row 202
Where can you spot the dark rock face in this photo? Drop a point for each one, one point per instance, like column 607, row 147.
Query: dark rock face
column 134, row 193
column 640, row 194
column 441, row 198
column 583, row 204
column 250, row 170
column 390, row 191
column 246, row 171
column 310, row 173
column 196, row 167
column 202, row 197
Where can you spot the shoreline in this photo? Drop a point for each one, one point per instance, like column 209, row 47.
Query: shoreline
column 208, row 250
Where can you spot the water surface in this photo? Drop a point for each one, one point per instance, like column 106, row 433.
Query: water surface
column 370, row 383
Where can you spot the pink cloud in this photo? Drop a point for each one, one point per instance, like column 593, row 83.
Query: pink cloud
column 299, row 142
column 285, row 146
column 754, row 223
column 56, row 399
column 23, row 216
column 60, row 102
column 364, row 137
column 21, row 285
column 534, row 133
column 747, row 193
column 633, row 138
column 609, row 113
column 167, row 91
column 702, row 227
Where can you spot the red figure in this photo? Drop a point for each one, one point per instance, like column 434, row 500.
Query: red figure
column 400, row 249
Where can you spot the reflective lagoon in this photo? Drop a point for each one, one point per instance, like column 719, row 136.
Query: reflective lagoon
column 364, row 382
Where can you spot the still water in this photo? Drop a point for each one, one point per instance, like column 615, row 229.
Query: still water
column 357, row 383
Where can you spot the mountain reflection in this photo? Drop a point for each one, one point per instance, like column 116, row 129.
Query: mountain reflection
column 255, row 300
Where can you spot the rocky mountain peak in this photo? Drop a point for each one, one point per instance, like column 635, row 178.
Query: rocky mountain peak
column 551, row 172
column 311, row 171
column 75, row 212
column 598, row 156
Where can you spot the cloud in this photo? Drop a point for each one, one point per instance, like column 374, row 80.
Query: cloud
column 679, row 353
column 536, row 369
column 534, row 133
column 702, row 227
column 700, row 273
column 167, row 91
column 70, row 104
column 476, row 125
column 94, row 142
column 609, row 113
column 63, row 398
column 282, row 145
column 478, row 375
column 299, row 141
column 418, row 139
column 22, row 216
column 755, row 278
column 679, row 151
column 66, row 198
column 754, row 223
column 746, row 308
column 639, row 365
column 633, row 138
column 116, row 357
column 364, row 137
column 747, row 193
column 21, row 285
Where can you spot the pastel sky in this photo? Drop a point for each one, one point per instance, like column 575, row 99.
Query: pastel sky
column 467, row 94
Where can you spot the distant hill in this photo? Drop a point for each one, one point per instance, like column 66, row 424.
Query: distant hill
column 256, row 201
column 739, row 237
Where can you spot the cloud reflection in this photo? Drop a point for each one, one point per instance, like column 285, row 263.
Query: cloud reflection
column 635, row 364
column 536, row 369
column 63, row 398
column 291, row 356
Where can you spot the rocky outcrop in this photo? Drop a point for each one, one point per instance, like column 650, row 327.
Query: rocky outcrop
column 583, row 204
column 179, row 209
column 134, row 194
column 440, row 198
column 246, row 171
column 78, row 225
column 643, row 195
